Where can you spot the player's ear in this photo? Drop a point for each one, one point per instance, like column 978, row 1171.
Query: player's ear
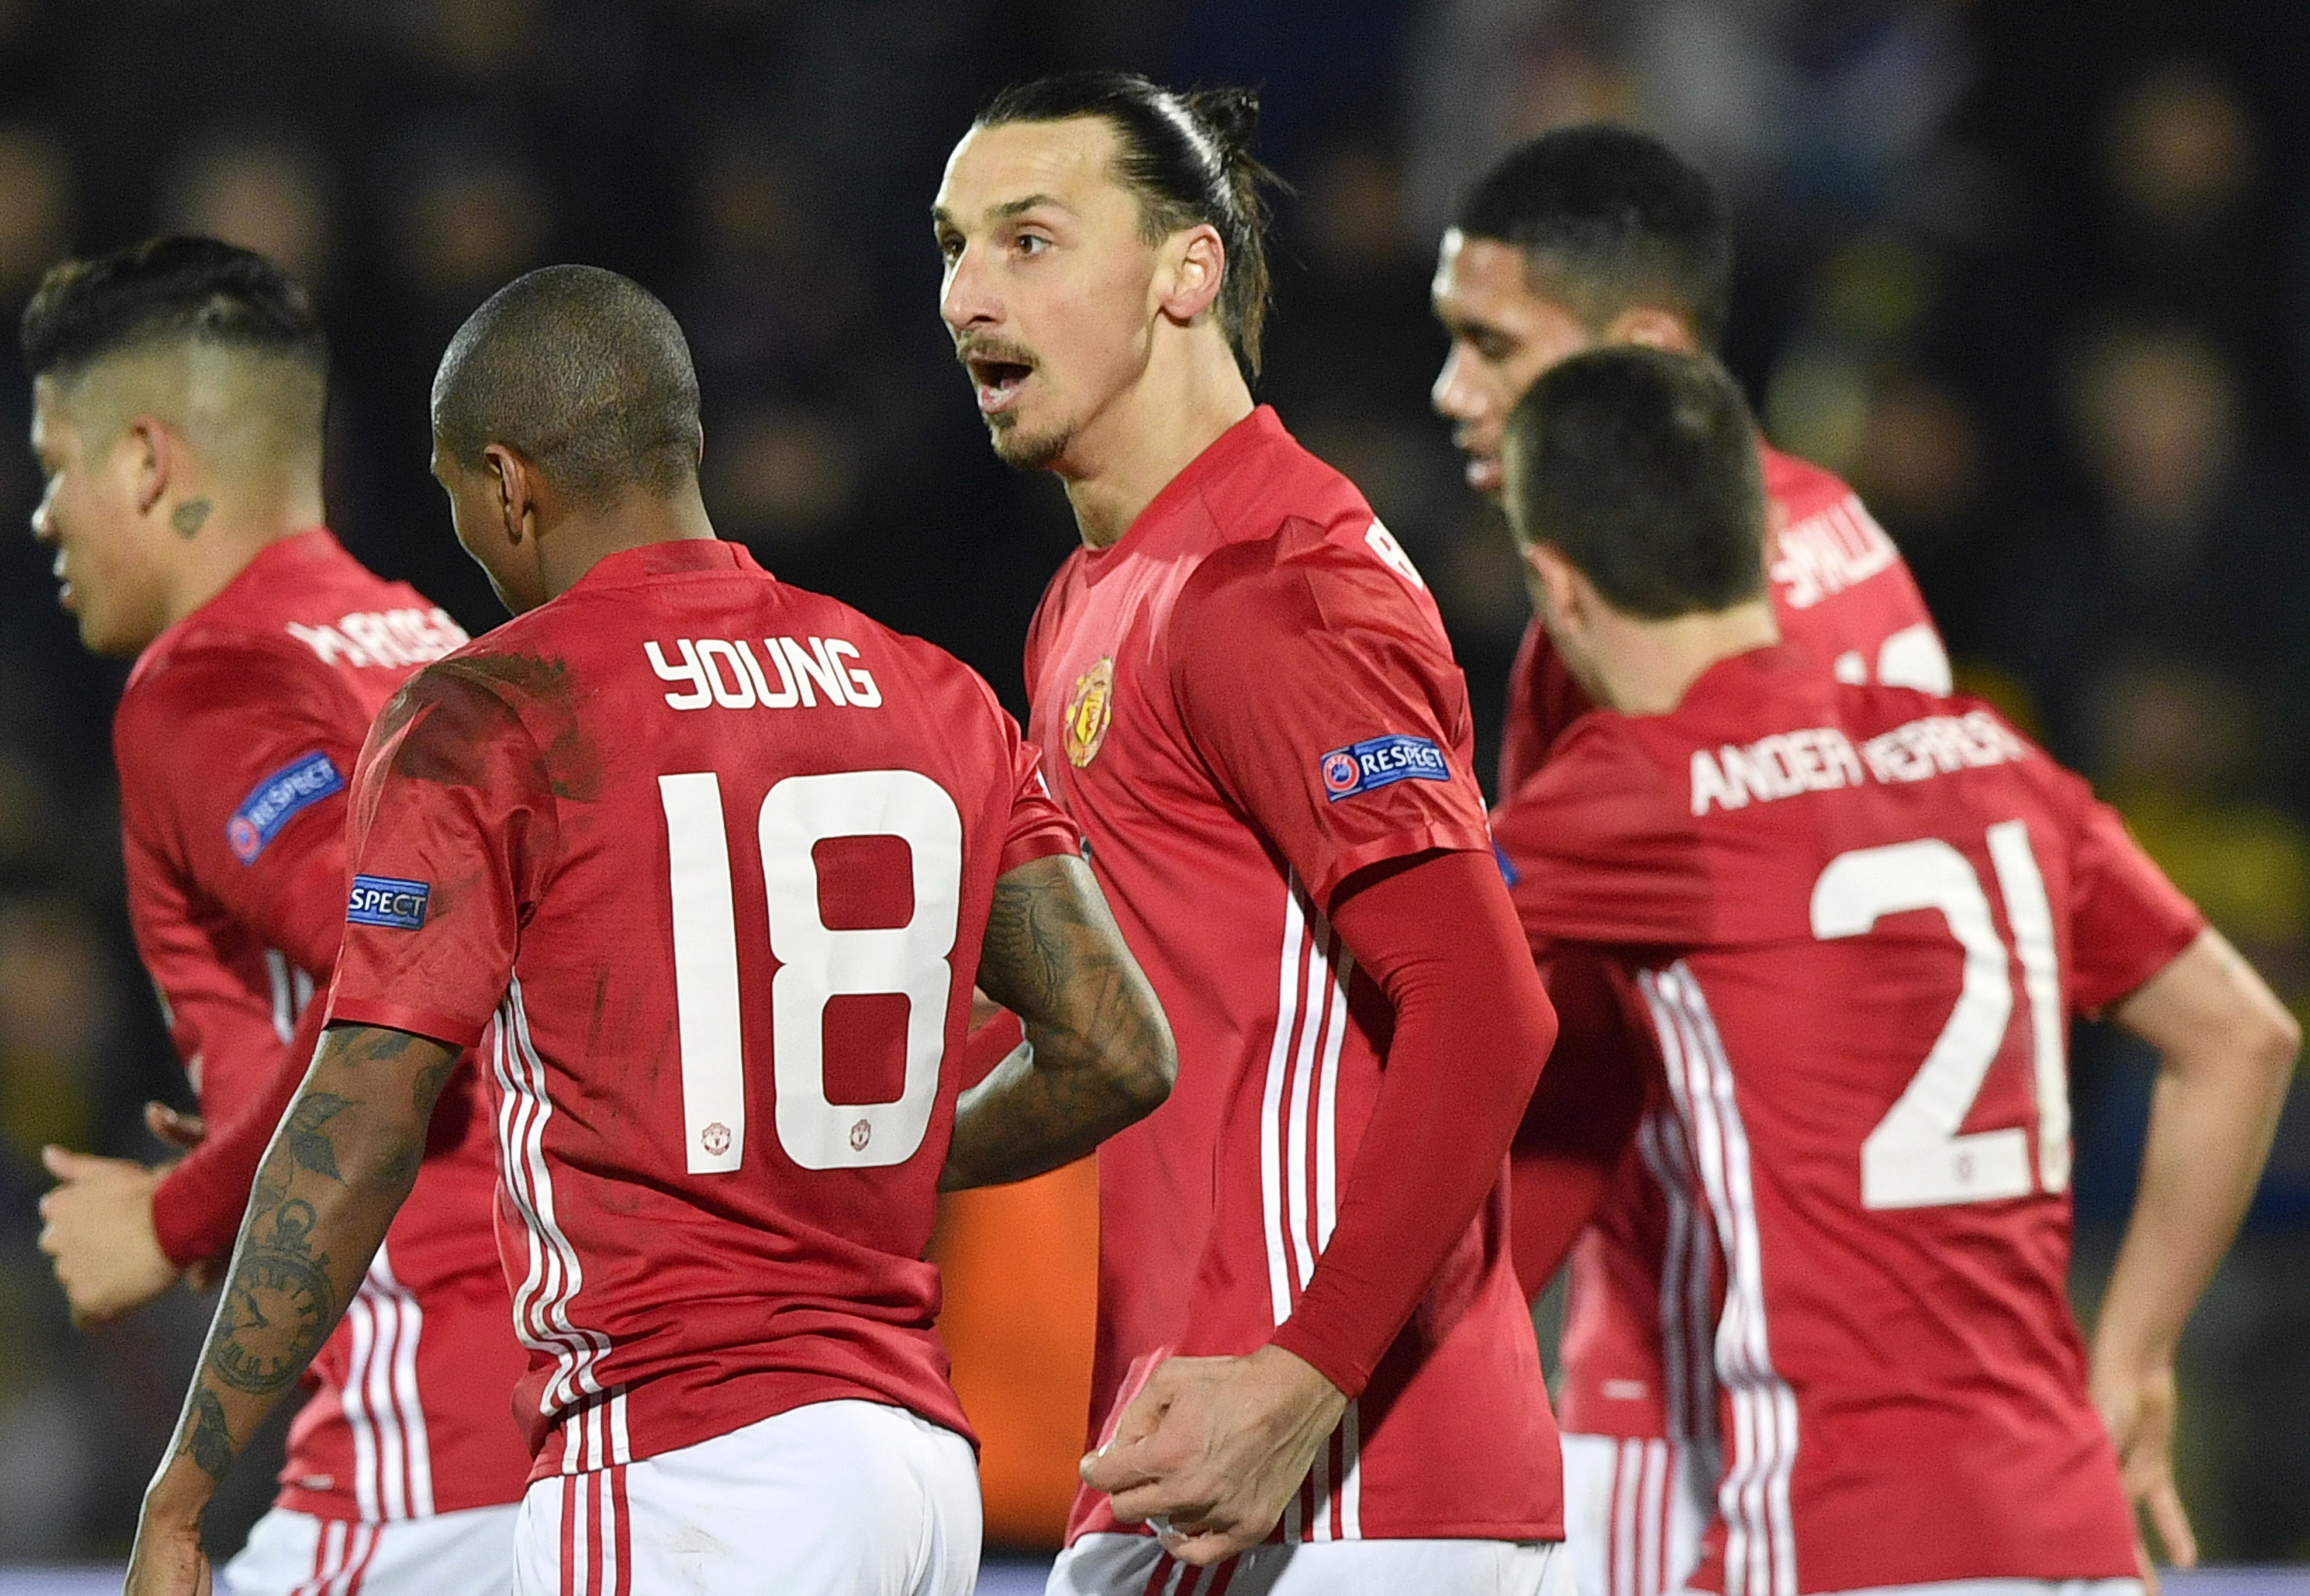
column 513, row 486
column 152, row 456
column 1558, row 586
column 1653, row 328
column 1189, row 271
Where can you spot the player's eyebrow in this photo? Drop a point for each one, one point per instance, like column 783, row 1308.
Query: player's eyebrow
column 940, row 217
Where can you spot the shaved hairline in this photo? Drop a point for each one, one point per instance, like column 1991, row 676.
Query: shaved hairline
column 211, row 394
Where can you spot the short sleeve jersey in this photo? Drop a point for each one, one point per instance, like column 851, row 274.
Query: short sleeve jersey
column 234, row 740
column 1861, row 919
column 703, row 862
column 1244, row 701
column 1631, row 1365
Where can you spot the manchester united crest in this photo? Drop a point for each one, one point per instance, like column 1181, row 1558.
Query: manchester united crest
column 1088, row 709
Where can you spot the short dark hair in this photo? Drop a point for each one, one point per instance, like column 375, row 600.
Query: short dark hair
column 1188, row 159
column 581, row 372
column 1640, row 466
column 168, row 290
column 1610, row 219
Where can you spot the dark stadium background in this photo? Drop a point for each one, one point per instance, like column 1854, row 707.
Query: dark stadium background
column 2036, row 276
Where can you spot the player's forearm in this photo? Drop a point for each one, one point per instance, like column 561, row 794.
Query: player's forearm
column 1473, row 1026
column 343, row 1158
column 1024, row 1120
column 2209, row 1134
column 1100, row 1053
column 2228, row 1051
column 198, row 1205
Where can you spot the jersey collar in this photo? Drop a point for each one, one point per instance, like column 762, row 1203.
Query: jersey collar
column 1745, row 678
column 677, row 557
column 312, row 542
column 1262, row 428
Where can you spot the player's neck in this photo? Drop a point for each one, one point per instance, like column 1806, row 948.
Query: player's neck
column 583, row 537
column 1189, row 394
column 226, row 533
column 1647, row 666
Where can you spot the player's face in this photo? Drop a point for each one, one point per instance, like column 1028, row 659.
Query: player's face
column 1048, row 289
column 114, row 578
column 477, row 513
column 1504, row 336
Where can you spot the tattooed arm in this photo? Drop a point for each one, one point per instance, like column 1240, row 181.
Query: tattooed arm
column 338, row 1169
column 1099, row 1051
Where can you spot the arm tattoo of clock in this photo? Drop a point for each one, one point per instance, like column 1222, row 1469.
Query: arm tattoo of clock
column 278, row 1307
column 344, row 1157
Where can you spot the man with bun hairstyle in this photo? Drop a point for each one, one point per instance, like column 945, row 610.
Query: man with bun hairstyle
column 1309, row 1322
column 1585, row 237
column 179, row 388
column 704, row 866
column 1857, row 921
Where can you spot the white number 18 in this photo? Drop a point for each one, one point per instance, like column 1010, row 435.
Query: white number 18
column 816, row 963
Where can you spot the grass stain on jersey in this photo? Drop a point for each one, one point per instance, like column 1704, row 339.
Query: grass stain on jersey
column 573, row 761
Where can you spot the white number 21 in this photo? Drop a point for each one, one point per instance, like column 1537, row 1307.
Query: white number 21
column 816, row 963
column 1916, row 1157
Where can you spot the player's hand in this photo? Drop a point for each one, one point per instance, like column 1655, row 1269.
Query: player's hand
column 97, row 1225
column 168, row 1560
column 184, row 1131
column 1212, row 1449
column 2139, row 1410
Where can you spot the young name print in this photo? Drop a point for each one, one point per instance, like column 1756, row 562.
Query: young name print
column 1380, row 762
column 726, row 673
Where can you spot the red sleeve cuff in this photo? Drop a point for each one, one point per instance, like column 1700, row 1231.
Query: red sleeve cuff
column 1041, row 843
column 2178, row 935
column 189, row 1220
column 1443, row 836
column 1327, row 1352
column 459, row 1034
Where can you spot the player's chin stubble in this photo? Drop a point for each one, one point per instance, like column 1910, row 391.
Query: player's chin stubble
column 1023, row 451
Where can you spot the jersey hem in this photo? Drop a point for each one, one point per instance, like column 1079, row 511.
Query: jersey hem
column 1542, row 1528
column 1047, row 846
column 553, row 1448
column 1443, row 837
column 1630, row 1432
column 2181, row 942
column 459, row 1034
column 339, row 1507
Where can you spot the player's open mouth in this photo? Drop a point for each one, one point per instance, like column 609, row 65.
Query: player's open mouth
column 998, row 382
column 63, row 583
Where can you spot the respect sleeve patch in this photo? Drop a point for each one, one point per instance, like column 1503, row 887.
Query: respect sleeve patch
column 1380, row 762
column 276, row 801
column 385, row 900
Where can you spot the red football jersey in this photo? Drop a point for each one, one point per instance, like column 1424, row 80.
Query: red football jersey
column 1631, row 1364
column 1244, row 700
column 1861, row 919
column 703, row 862
column 234, row 740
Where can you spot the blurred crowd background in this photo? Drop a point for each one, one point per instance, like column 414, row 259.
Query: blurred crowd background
column 2035, row 275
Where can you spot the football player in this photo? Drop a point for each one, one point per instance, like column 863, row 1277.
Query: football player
column 704, row 866
column 1584, row 236
column 178, row 393
column 1859, row 920
column 1245, row 697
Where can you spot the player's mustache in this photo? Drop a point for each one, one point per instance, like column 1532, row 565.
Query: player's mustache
column 993, row 352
